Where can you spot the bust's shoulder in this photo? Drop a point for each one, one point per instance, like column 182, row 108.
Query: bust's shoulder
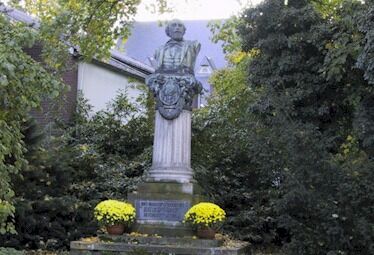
column 188, row 43
column 192, row 42
column 160, row 48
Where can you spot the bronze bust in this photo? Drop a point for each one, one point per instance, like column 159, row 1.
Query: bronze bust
column 174, row 84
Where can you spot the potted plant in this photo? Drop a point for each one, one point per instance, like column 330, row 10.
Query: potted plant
column 205, row 217
column 114, row 215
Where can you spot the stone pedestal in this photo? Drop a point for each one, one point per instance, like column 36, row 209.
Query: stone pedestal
column 169, row 191
column 128, row 244
column 171, row 160
column 160, row 207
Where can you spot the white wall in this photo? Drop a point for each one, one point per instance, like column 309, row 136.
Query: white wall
column 99, row 85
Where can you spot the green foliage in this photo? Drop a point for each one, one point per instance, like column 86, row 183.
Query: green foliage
column 90, row 26
column 364, row 61
column 84, row 24
column 10, row 251
column 106, row 133
column 46, row 216
column 230, row 82
column 69, row 174
column 23, row 83
column 114, row 148
column 225, row 31
column 299, row 156
column 233, row 172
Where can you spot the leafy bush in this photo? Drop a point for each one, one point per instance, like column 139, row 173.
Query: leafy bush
column 97, row 158
column 233, row 173
column 23, row 85
column 299, row 152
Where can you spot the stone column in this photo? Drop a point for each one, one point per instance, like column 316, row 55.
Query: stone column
column 172, row 149
column 169, row 191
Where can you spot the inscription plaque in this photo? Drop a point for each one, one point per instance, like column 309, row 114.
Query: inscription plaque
column 165, row 210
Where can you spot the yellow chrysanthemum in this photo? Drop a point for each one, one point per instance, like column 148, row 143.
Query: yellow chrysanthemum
column 111, row 212
column 206, row 214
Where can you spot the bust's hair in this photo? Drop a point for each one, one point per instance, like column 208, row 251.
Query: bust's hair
column 167, row 28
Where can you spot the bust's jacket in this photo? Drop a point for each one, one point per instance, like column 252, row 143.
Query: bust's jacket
column 190, row 50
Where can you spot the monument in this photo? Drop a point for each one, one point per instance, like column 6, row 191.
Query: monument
column 174, row 86
column 169, row 190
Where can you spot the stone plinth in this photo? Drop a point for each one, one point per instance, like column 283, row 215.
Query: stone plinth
column 160, row 207
column 151, row 245
column 169, row 190
column 172, row 149
column 150, row 240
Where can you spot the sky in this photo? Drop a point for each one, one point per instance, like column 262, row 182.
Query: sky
column 194, row 9
column 191, row 9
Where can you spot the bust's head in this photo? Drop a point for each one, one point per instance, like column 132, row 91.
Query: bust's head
column 175, row 29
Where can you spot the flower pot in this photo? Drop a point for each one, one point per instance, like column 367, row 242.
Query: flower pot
column 117, row 229
column 206, row 233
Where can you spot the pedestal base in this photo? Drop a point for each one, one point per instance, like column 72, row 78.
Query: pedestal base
column 151, row 245
column 160, row 207
column 170, row 174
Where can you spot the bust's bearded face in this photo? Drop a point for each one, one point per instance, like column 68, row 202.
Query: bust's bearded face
column 176, row 31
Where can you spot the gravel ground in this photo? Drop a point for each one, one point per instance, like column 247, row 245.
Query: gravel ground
column 67, row 253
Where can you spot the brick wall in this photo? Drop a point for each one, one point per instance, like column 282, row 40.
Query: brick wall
column 64, row 107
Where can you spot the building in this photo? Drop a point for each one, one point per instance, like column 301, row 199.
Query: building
column 98, row 81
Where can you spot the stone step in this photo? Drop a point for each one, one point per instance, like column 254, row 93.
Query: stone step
column 200, row 247
column 176, row 241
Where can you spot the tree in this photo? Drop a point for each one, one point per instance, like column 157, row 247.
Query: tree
column 311, row 91
column 23, row 84
column 228, row 148
column 299, row 156
column 102, row 156
column 90, row 26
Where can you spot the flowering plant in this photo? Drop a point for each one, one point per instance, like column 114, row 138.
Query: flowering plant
column 111, row 212
column 205, row 214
